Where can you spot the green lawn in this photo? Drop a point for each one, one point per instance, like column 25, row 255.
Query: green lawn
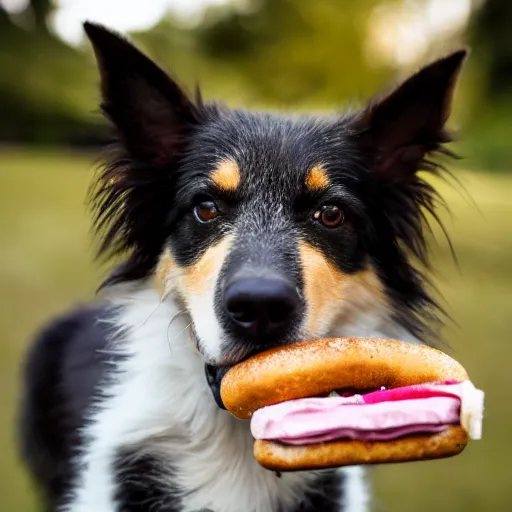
column 46, row 264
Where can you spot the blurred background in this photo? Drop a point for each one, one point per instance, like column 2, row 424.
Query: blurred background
column 279, row 54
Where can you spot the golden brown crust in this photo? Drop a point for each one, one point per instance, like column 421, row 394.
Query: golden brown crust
column 312, row 368
column 280, row 457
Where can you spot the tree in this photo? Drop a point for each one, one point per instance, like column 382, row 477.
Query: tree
column 295, row 51
column 492, row 43
column 41, row 10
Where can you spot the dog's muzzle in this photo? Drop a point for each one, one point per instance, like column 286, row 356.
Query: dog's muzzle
column 214, row 375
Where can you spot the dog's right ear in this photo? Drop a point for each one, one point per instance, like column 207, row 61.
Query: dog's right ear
column 407, row 125
column 150, row 112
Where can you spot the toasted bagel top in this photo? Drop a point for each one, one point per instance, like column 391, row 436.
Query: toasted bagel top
column 316, row 367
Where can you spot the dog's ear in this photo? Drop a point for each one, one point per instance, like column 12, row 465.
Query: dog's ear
column 150, row 112
column 401, row 129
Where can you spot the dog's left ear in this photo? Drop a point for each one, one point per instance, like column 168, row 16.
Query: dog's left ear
column 151, row 113
column 402, row 128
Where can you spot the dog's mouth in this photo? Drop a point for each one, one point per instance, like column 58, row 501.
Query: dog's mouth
column 214, row 375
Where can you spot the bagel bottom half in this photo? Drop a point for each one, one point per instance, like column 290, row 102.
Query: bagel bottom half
column 282, row 457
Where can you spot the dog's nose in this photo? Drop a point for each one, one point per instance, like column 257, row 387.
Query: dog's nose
column 261, row 306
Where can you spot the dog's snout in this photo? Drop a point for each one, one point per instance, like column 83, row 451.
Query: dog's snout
column 261, row 306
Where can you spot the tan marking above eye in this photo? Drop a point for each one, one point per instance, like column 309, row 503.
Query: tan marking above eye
column 334, row 297
column 317, row 178
column 226, row 175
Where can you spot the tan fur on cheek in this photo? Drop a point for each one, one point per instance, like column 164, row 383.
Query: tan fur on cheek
column 166, row 274
column 323, row 288
column 194, row 280
column 201, row 277
column 317, row 178
column 226, row 176
column 333, row 297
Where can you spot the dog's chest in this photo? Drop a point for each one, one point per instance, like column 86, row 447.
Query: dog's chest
column 223, row 475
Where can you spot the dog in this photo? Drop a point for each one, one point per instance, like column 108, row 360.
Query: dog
column 233, row 231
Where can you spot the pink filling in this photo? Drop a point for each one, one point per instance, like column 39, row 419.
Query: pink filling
column 380, row 415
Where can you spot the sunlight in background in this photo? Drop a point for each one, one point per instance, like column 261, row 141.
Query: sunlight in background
column 121, row 15
column 14, row 6
column 400, row 35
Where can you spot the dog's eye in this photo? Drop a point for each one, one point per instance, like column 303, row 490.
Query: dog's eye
column 329, row 215
column 206, row 211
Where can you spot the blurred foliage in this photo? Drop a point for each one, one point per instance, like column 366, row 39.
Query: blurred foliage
column 491, row 31
column 292, row 51
column 46, row 87
column 279, row 53
column 488, row 144
column 285, row 54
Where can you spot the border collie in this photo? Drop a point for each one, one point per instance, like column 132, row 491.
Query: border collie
column 236, row 231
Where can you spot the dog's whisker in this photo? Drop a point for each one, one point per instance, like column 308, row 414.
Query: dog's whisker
column 160, row 302
column 195, row 340
column 169, row 341
column 173, row 318
column 112, row 352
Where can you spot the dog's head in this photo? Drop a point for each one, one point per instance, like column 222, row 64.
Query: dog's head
column 270, row 229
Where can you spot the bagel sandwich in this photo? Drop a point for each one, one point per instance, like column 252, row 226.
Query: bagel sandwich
column 351, row 401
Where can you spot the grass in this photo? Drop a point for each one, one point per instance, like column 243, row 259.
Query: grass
column 46, row 265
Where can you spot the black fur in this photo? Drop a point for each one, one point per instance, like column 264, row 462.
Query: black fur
column 63, row 371
column 144, row 483
column 327, row 497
